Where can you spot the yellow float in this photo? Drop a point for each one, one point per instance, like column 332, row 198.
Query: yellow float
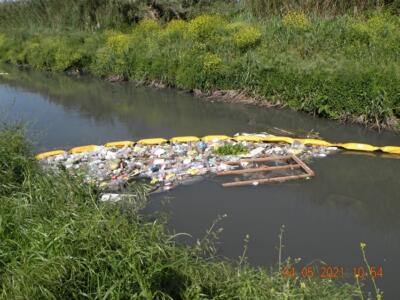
column 184, row 139
column 49, row 154
column 82, row 149
column 155, row 141
column 358, row 147
column 391, row 149
column 248, row 138
column 210, row 138
column 119, row 144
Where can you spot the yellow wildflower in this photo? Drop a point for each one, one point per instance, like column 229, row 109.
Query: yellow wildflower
column 296, row 20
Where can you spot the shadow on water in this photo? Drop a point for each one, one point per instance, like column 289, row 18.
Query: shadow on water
column 353, row 198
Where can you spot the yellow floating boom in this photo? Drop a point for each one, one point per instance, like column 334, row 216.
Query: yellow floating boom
column 155, row 141
column 82, row 149
column 49, row 154
column 209, row 138
column 184, row 139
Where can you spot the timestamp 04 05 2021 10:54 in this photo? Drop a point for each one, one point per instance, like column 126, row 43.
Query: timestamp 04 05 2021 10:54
column 332, row 272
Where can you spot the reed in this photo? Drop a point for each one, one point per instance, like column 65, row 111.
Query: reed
column 95, row 14
column 328, row 8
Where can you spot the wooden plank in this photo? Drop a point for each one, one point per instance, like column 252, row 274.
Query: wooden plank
column 260, row 169
column 303, row 165
column 265, row 180
column 260, row 159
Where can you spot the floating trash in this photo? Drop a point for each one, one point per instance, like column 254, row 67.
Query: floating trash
column 168, row 165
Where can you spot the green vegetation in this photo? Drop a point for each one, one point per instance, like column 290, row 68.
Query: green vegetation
column 344, row 68
column 95, row 14
column 59, row 242
column 327, row 8
column 231, row 150
column 100, row 14
column 347, row 68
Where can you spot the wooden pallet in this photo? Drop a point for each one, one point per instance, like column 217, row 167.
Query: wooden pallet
column 293, row 163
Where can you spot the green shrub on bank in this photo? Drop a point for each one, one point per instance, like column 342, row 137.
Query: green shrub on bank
column 345, row 68
column 296, row 20
column 58, row 241
column 247, row 37
column 111, row 58
column 50, row 52
column 57, row 53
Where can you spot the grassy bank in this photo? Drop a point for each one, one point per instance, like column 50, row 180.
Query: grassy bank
column 347, row 68
column 59, row 242
column 344, row 67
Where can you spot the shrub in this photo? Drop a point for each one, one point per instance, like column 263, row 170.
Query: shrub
column 201, row 69
column 208, row 29
column 380, row 30
column 174, row 29
column 13, row 46
column 211, row 62
column 147, row 26
column 377, row 24
column 247, row 37
column 67, row 54
column 296, row 20
column 111, row 59
column 53, row 52
column 190, row 72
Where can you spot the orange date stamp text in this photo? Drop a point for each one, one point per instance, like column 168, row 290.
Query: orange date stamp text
column 332, row 272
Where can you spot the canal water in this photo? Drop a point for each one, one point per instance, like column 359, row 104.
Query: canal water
column 353, row 198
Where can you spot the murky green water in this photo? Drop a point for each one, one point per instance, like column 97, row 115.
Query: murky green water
column 353, row 198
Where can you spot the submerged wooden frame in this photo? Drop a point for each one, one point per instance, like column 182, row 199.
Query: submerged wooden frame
column 299, row 164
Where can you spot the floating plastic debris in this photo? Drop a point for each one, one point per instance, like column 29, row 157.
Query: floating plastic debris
column 167, row 165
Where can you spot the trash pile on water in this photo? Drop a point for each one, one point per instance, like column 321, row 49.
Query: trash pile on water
column 167, row 165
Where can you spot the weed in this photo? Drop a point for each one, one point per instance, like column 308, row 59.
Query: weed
column 231, row 149
column 247, row 37
column 378, row 293
column 296, row 20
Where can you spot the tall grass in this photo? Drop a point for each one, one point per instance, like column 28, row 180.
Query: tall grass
column 59, row 242
column 95, row 14
column 328, row 8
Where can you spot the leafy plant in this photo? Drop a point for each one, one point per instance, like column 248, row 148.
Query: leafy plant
column 231, row 149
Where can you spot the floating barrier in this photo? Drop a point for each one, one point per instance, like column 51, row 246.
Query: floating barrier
column 156, row 141
column 210, row 138
column 82, row 149
column 358, row 147
column 49, row 154
column 119, row 144
column 249, row 138
column 391, row 149
column 184, row 139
